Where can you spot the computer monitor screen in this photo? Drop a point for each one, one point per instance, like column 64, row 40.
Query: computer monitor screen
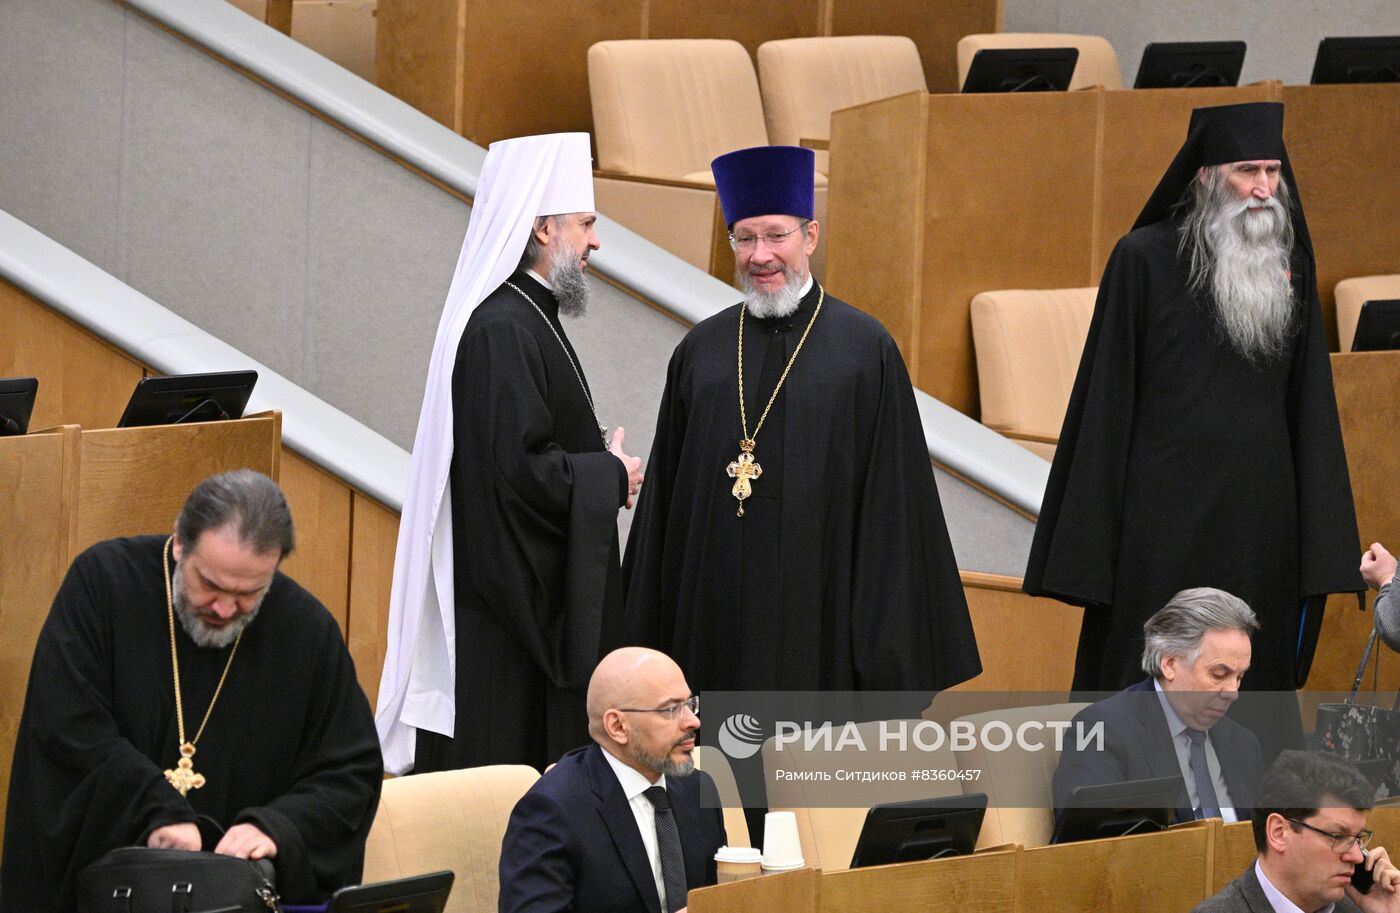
column 1119, row 809
column 185, row 398
column 921, row 829
column 1378, row 327
column 1374, row 59
column 416, row 894
column 1021, row 70
column 1190, row 64
column 16, row 403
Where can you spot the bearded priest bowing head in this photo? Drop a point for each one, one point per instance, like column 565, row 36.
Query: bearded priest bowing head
column 790, row 534
column 1201, row 447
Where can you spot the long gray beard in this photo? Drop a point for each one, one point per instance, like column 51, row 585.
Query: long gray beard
column 570, row 285
column 781, row 303
column 1241, row 258
column 202, row 634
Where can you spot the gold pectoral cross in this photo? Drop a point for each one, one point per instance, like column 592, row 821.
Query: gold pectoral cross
column 743, row 470
column 183, row 777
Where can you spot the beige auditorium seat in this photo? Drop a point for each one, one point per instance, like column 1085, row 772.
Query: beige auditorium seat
column 803, row 80
column 1352, row 294
column 1097, row 64
column 662, row 110
column 828, row 830
column 1017, row 782
column 452, row 819
column 1027, row 344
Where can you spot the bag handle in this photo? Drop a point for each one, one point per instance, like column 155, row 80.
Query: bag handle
column 1361, row 669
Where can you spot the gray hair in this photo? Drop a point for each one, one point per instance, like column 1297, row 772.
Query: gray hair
column 248, row 502
column 1178, row 628
column 1197, row 214
column 533, row 248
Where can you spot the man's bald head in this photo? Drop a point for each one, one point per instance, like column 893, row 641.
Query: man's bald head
column 637, row 712
column 624, row 678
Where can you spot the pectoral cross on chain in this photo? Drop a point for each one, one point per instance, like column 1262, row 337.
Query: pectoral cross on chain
column 742, row 471
column 183, row 776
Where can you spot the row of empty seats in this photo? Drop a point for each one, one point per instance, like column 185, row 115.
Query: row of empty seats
column 1028, row 344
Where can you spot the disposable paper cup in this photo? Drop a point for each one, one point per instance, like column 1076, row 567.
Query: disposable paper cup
column 735, row 863
column 782, row 849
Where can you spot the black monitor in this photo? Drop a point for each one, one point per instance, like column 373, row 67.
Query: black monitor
column 1190, row 64
column 1021, row 70
column 1119, row 809
column 1375, row 59
column 415, row 894
column 921, row 829
column 189, row 398
column 1378, row 327
column 16, row 403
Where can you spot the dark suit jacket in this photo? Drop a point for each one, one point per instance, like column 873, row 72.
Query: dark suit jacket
column 573, row 845
column 1138, row 746
column 1246, row 895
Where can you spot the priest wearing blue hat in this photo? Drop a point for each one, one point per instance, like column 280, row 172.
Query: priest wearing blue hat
column 790, row 535
column 1201, row 446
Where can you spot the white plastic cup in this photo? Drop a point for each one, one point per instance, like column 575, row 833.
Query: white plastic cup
column 735, row 863
column 782, row 850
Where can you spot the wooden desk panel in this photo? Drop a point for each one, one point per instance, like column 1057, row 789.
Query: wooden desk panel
column 1344, row 145
column 1370, row 414
column 787, row 892
column 82, row 380
column 374, row 534
column 1163, row 871
column 1234, row 852
column 320, row 505
column 38, row 475
column 135, row 480
column 983, row 883
column 993, row 220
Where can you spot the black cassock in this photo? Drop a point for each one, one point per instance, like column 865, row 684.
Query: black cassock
column 535, row 497
column 290, row 745
column 1183, row 465
column 840, row 574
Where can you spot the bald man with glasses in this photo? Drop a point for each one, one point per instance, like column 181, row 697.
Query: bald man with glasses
column 1310, row 831
column 626, row 824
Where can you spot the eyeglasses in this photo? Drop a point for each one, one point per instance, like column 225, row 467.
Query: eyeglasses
column 1341, row 843
column 670, row 711
column 772, row 238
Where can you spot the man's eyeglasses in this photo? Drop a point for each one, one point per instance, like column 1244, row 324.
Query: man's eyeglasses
column 772, row 239
column 1341, row 843
column 670, row 711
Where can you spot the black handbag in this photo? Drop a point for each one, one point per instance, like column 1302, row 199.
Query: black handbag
column 136, row 879
column 1364, row 732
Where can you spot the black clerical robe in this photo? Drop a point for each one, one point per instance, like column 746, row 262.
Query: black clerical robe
column 290, row 746
column 535, row 496
column 1181, row 464
column 840, row 574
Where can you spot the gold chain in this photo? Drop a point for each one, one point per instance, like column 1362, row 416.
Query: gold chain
column 748, row 442
column 175, row 659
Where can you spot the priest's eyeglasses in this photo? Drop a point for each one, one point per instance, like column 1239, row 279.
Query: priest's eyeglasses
column 671, row 711
column 772, row 238
column 1341, row 843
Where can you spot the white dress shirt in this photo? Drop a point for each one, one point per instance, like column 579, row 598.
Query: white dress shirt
column 634, row 785
column 1182, row 743
column 1280, row 903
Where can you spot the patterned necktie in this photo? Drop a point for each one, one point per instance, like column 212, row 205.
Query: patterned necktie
column 668, row 843
column 1209, row 806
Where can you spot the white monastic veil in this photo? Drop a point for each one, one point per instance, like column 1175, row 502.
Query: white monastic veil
column 522, row 178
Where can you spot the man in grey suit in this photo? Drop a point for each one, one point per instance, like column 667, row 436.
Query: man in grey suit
column 1197, row 650
column 1310, row 831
